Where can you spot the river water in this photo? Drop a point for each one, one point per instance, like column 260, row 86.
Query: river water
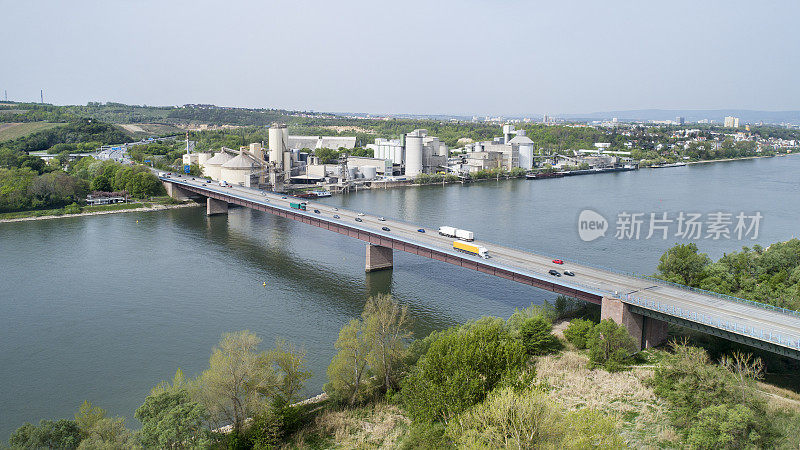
column 102, row 308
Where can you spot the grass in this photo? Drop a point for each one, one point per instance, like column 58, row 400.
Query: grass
column 371, row 426
column 89, row 209
column 9, row 131
column 624, row 395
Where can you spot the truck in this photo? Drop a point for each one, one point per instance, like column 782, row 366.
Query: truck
column 472, row 249
column 464, row 235
column 447, row 231
column 298, row 206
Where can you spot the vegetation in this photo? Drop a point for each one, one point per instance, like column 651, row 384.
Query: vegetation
column 768, row 275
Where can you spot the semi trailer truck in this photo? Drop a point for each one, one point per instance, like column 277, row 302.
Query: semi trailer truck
column 457, row 233
column 298, row 206
column 472, row 249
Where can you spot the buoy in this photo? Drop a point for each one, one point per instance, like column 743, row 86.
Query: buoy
column 265, row 284
column 137, row 221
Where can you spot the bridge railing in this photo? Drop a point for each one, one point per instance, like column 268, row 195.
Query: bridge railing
column 653, row 279
column 761, row 334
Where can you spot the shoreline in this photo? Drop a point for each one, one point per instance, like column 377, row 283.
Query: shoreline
column 100, row 213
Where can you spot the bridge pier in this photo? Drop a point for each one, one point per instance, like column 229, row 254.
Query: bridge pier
column 214, row 206
column 177, row 192
column 646, row 331
column 379, row 258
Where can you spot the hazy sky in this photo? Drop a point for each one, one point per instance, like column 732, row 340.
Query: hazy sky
column 451, row 57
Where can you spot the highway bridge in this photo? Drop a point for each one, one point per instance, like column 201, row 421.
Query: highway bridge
column 643, row 304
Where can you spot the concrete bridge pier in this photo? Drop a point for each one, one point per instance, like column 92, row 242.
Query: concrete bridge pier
column 646, row 331
column 379, row 258
column 177, row 192
column 214, row 206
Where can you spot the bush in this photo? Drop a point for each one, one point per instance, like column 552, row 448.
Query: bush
column 578, row 331
column 725, row 426
column 537, row 336
column 610, row 345
column 265, row 431
column 460, row 367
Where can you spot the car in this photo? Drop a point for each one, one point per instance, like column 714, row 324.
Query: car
column 283, row 197
column 208, row 181
column 336, row 216
column 421, row 230
column 554, row 273
column 335, row 209
column 361, row 214
column 316, row 211
column 358, row 219
column 166, row 176
column 385, row 229
column 558, row 261
column 169, row 173
column 193, row 179
column 382, row 219
column 569, row 273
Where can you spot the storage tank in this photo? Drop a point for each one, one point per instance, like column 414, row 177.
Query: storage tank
column 237, row 170
column 213, row 166
column 278, row 142
column 352, row 172
column 526, row 156
column 443, row 149
column 370, row 172
column 413, row 154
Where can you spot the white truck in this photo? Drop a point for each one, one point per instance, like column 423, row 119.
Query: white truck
column 447, row 231
column 464, row 235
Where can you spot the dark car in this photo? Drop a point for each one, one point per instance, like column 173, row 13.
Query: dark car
column 385, row 229
column 358, row 219
column 421, row 230
column 193, row 179
column 554, row 273
column 335, row 216
column 208, row 181
column 569, row 273
column 316, row 211
column 284, row 197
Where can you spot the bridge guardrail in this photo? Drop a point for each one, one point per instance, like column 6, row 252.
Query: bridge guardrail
column 792, row 342
column 641, row 276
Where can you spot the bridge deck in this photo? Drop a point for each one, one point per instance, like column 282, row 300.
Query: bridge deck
column 779, row 331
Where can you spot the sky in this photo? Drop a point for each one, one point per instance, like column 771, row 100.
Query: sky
column 501, row 57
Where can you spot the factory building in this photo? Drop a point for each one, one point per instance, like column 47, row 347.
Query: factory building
column 213, row 166
column 391, row 149
column 239, row 170
column 512, row 149
column 423, row 153
column 315, row 142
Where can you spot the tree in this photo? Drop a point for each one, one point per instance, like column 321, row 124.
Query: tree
column 239, row 380
column 537, row 336
column 610, row 345
column 144, row 184
column 460, row 367
column 348, row 369
column 292, row 371
column 171, row 420
column 683, row 264
column 386, row 329
column 59, row 434
column 578, row 331
column 725, row 426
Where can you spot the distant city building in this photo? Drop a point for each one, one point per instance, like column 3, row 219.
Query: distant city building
column 680, row 120
column 731, row 122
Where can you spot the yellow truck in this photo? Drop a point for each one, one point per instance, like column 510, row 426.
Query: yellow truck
column 472, row 249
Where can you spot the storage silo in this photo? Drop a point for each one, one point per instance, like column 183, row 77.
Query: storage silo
column 525, row 146
column 413, row 154
column 369, row 172
column 278, row 143
column 352, row 172
column 213, row 165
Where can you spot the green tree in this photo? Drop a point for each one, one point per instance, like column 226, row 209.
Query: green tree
column 537, row 336
column 144, row 184
column 291, row 372
column 387, row 330
column 239, row 380
column 683, row 264
column 460, row 367
column 171, row 420
column 610, row 345
column 347, row 371
column 578, row 331
column 725, row 426
column 58, row 434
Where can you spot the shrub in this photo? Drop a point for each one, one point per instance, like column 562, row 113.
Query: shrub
column 724, row 426
column 578, row 331
column 460, row 367
column 537, row 336
column 610, row 345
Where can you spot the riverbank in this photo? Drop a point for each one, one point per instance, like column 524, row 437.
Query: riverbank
column 141, row 207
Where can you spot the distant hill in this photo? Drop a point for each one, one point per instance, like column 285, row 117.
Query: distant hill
column 717, row 115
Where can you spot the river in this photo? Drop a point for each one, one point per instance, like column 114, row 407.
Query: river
column 102, row 308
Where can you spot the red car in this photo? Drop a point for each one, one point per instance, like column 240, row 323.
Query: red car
column 558, row 261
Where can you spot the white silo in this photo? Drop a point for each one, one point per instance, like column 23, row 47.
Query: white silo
column 413, row 153
column 278, row 142
column 369, row 172
column 443, row 149
column 525, row 146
